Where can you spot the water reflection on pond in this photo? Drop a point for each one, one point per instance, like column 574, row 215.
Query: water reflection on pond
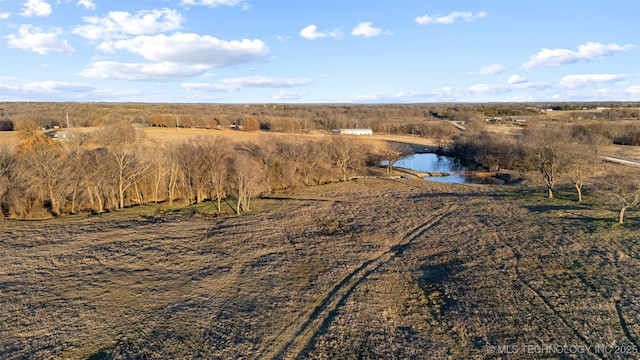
column 433, row 163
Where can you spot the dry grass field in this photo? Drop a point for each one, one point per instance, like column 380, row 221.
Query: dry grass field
column 393, row 269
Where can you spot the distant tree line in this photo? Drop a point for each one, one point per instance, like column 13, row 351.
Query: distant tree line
column 416, row 119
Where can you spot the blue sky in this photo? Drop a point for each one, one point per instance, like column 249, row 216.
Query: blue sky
column 329, row 51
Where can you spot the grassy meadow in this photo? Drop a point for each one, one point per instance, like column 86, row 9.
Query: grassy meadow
column 372, row 268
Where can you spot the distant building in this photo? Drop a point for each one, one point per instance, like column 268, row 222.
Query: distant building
column 353, row 131
column 519, row 119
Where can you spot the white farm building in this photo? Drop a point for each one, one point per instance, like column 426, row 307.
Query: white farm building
column 353, row 131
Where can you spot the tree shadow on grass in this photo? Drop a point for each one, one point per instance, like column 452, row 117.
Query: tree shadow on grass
column 438, row 274
column 462, row 195
column 543, row 208
column 102, row 354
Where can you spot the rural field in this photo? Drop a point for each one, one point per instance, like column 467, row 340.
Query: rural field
column 254, row 233
column 371, row 268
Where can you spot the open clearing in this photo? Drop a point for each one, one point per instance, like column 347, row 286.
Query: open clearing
column 365, row 269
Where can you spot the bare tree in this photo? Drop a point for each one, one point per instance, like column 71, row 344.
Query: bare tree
column 622, row 190
column 250, row 123
column 193, row 160
column 266, row 151
column 597, row 143
column 549, row 152
column 122, row 141
column 44, row 170
column 7, row 175
column 128, row 169
column 577, row 169
column 313, row 156
column 174, row 172
column 119, row 134
column 73, row 179
column 346, row 152
column 97, row 177
column 157, row 171
column 247, row 181
column 218, row 156
column 395, row 152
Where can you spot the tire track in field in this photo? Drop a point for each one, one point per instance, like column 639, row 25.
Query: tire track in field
column 538, row 295
column 291, row 344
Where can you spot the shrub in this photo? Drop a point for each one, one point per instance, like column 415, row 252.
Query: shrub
column 6, row 125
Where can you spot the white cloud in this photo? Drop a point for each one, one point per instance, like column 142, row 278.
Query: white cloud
column 523, row 84
column 192, row 49
column 57, row 86
column 487, row 88
column 492, row 69
column 577, row 81
column 311, row 33
column 164, row 71
column 213, row 3
column 4, row 16
column 234, row 84
column 36, row 8
column 87, row 4
column 55, row 91
column 444, row 94
column 632, row 90
column 119, row 24
column 365, row 29
column 516, row 79
column 466, row 16
column 45, row 87
column 289, row 95
column 173, row 57
column 35, row 39
column 588, row 51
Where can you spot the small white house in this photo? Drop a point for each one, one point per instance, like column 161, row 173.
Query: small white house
column 353, row 131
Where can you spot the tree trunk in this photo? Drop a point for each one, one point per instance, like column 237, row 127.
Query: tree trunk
column 90, row 195
column 54, row 202
column 579, row 190
column 550, row 192
column 621, row 215
column 120, row 194
column 156, row 187
column 137, row 191
column 73, row 200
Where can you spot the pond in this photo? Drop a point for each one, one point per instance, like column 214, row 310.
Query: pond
column 433, row 163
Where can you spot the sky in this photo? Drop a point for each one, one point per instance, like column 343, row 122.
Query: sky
column 319, row 51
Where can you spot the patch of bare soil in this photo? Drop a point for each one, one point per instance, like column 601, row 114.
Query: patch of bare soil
column 366, row 269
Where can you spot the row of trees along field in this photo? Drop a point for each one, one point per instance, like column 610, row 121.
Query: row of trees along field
column 114, row 169
column 572, row 153
column 417, row 119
